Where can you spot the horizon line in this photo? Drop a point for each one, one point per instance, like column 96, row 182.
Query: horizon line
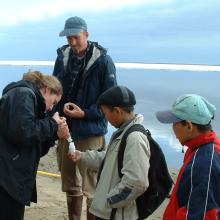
column 124, row 65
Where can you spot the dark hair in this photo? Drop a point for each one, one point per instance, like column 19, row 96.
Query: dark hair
column 41, row 81
column 127, row 109
column 201, row 128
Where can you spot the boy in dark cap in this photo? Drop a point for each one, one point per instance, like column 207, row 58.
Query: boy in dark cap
column 196, row 195
column 117, row 104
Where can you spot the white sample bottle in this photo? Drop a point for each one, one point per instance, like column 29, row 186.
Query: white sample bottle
column 72, row 147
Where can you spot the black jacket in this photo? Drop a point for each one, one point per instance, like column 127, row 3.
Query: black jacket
column 26, row 134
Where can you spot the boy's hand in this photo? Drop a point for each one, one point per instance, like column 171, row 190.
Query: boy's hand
column 76, row 156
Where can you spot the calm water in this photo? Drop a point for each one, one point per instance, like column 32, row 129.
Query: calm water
column 155, row 90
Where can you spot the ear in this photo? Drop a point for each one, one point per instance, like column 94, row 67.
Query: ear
column 86, row 34
column 117, row 110
column 189, row 125
column 43, row 90
column 48, row 90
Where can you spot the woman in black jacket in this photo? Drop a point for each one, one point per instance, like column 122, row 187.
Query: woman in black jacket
column 26, row 134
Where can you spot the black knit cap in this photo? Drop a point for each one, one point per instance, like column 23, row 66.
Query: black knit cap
column 117, row 96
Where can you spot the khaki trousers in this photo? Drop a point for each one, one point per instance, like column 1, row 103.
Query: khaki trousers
column 77, row 179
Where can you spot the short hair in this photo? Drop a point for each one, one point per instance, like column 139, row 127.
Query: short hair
column 41, row 81
column 127, row 109
column 201, row 128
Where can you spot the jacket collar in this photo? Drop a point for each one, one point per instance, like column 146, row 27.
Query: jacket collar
column 205, row 138
column 94, row 48
column 199, row 141
column 138, row 119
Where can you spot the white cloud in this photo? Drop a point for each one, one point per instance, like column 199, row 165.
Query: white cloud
column 13, row 12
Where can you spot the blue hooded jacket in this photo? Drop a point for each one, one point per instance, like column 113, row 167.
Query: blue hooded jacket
column 99, row 75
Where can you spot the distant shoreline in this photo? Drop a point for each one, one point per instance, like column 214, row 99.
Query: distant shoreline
column 124, row 65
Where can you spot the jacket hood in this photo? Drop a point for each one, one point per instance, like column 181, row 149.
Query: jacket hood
column 30, row 85
column 21, row 83
column 93, row 44
column 92, row 56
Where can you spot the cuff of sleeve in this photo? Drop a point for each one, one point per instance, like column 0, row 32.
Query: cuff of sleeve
column 85, row 114
column 109, row 201
column 83, row 157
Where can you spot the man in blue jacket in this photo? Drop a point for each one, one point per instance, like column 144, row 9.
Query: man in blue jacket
column 85, row 71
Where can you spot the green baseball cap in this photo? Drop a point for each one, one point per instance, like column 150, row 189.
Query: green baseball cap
column 190, row 107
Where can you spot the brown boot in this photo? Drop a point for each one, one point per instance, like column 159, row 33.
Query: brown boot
column 74, row 205
column 89, row 215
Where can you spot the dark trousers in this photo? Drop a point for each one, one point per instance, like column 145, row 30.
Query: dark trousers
column 10, row 209
column 97, row 218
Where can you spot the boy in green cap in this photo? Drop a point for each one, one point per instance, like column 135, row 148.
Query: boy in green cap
column 196, row 195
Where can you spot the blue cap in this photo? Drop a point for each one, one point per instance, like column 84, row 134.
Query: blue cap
column 188, row 107
column 73, row 26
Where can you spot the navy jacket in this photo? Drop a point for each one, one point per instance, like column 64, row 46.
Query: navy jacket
column 196, row 195
column 26, row 134
column 98, row 76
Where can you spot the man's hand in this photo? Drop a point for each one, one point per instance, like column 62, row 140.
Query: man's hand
column 73, row 111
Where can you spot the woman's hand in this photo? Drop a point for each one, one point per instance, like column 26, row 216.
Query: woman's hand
column 58, row 119
column 63, row 130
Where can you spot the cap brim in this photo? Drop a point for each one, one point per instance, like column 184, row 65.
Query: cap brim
column 167, row 117
column 70, row 32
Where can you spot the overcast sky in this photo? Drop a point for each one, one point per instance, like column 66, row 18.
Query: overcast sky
column 150, row 31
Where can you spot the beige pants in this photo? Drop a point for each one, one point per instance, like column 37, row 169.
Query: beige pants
column 77, row 179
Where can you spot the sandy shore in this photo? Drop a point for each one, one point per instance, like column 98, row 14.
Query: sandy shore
column 52, row 202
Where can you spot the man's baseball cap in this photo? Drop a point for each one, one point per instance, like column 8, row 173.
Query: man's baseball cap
column 190, row 107
column 73, row 26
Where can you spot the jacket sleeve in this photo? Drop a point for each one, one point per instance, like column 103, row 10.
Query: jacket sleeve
column 58, row 65
column 203, row 196
column 24, row 128
column 93, row 158
column 135, row 172
column 107, row 80
column 45, row 147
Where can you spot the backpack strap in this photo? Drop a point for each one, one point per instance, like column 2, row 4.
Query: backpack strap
column 135, row 127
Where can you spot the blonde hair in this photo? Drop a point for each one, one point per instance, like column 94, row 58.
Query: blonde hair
column 42, row 81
